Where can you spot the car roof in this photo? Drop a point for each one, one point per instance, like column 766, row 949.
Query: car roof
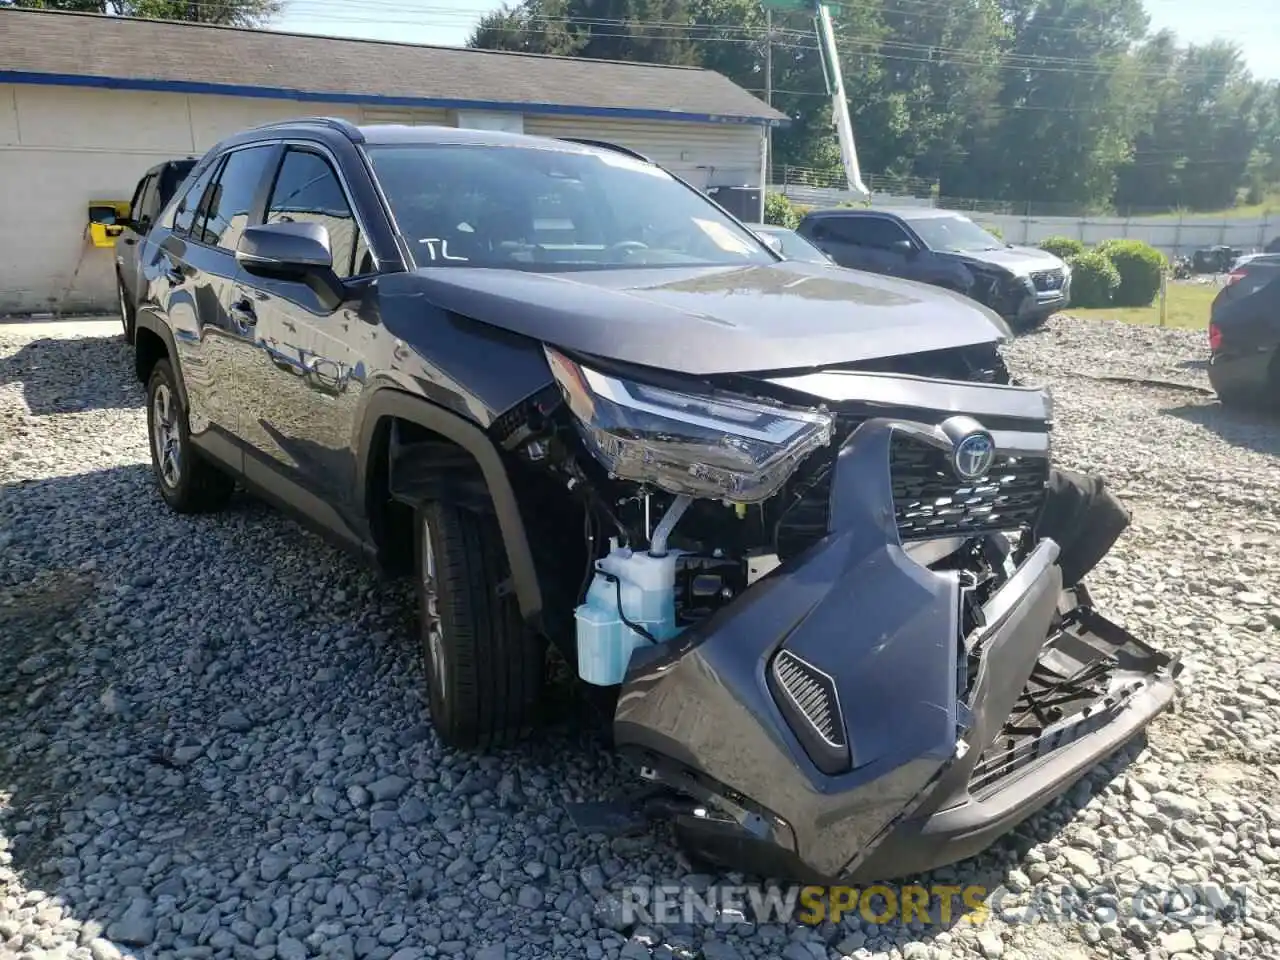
column 330, row 129
column 166, row 164
column 903, row 213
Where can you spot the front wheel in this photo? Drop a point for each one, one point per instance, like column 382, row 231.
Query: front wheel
column 485, row 667
column 188, row 483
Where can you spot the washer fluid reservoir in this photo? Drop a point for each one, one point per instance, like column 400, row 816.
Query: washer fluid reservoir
column 630, row 586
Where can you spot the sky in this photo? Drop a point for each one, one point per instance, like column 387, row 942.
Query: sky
column 1253, row 24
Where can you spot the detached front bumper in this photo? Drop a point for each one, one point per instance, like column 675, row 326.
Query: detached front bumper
column 838, row 726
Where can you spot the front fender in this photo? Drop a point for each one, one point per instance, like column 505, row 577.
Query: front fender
column 390, row 402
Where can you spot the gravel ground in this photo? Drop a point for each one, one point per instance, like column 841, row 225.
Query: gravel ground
column 213, row 738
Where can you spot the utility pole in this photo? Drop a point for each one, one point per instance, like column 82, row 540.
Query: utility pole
column 768, row 92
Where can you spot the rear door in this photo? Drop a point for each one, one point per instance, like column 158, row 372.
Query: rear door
column 143, row 210
column 863, row 242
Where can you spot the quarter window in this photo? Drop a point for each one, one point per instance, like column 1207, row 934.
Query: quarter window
column 230, row 203
column 146, row 206
column 191, row 204
column 307, row 189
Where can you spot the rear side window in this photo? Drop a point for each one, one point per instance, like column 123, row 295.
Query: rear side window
column 230, row 203
column 171, row 177
column 145, row 206
column 866, row 231
column 135, row 205
column 190, row 205
column 307, row 189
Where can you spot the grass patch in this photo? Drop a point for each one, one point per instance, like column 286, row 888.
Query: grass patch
column 1187, row 309
column 1270, row 205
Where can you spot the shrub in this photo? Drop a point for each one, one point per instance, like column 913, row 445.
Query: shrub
column 1064, row 248
column 1140, row 266
column 1094, row 279
column 780, row 211
column 992, row 229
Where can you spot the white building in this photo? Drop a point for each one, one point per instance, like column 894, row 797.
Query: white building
column 88, row 103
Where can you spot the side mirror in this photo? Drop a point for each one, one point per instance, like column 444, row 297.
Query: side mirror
column 293, row 251
column 904, row 247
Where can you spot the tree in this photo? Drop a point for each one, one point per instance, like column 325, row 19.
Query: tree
column 240, row 13
column 1065, row 111
column 1200, row 140
column 1065, row 103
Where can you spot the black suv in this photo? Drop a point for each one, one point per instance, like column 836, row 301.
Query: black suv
column 793, row 524
column 1022, row 284
column 153, row 193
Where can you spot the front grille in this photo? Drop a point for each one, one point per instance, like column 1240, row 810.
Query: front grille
column 928, row 500
column 1048, row 280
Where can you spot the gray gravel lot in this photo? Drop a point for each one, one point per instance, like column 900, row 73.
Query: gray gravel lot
column 213, row 739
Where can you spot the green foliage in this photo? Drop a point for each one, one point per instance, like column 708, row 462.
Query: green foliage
column 1064, row 248
column 975, row 96
column 237, row 13
column 992, row 229
column 780, row 211
column 1094, row 279
column 1139, row 266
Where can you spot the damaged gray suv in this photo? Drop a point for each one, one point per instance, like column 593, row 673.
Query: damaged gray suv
column 794, row 526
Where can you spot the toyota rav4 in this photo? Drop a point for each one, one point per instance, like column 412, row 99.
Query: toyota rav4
column 795, row 525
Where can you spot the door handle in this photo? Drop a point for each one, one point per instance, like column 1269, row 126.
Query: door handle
column 243, row 314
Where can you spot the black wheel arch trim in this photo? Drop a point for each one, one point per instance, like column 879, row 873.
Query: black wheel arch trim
column 144, row 320
column 391, row 402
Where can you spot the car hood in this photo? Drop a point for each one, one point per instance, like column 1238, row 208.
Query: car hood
column 1019, row 261
column 705, row 321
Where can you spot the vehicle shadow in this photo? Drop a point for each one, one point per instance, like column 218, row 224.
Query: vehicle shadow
column 1253, row 428
column 167, row 726
column 57, row 374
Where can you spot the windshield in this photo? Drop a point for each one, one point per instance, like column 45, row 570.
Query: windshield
column 796, row 247
column 465, row 205
column 954, row 233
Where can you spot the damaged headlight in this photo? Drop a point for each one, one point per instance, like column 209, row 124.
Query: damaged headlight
column 714, row 446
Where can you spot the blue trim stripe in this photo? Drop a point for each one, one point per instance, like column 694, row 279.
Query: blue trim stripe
column 317, row 96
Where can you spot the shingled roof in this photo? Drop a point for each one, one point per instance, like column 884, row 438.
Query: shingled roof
column 120, row 52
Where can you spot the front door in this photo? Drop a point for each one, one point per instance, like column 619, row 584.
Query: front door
column 302, row 380
column 207, row 343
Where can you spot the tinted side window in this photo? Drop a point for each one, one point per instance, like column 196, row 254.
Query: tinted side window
column 882, row 233
column 147, row 206
column 190, row 204
column 230, row 203
column 135, row 205
column 307, row 189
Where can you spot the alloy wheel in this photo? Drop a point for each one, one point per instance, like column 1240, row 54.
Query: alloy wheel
column 166, row 435
column 431, row 624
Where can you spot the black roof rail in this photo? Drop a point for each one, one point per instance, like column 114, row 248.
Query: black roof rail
column 606, row 145
column 345, row 127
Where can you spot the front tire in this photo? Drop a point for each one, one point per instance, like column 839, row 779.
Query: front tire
column 188, row 483
column 485, row 667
